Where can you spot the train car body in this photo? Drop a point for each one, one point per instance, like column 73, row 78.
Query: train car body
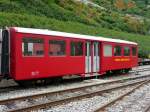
column 29, row 54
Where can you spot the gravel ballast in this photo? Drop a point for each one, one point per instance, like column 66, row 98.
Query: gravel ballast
column 88, row 104
column 135, row 102
column 51, row 88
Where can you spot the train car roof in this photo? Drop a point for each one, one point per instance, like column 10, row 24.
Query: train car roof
column 71, row 35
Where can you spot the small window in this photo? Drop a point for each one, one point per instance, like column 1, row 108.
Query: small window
column 117, row 51
column 126, row 51
column 107, row 50
column 57, row 48
column 134, row 51
column 76, row 48
column 32, row 47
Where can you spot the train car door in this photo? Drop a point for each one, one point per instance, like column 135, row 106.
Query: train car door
column 95, row 54
column 92, row 59
column 88, row 58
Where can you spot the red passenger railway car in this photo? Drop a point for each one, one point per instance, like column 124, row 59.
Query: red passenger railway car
column 29, row 54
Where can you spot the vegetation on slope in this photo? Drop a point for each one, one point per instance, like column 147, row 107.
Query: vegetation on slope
column 70, row 10
column 70, row 16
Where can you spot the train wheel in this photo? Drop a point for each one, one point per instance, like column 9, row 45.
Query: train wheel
column 57, row 80
column 127, row 70
column 116, row 72
column 39, row 82
column 26, row 83
column 109, row 73
column 31, row 83
column 48, row 81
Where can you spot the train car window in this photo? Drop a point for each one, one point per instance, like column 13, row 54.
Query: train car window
column 32, row 47
column 96, row 51
column 107, row 50
column 57, row 48
column 88, row 49
column 117, row 51
column 133, row 51
column 126, row 51
column 76, row 48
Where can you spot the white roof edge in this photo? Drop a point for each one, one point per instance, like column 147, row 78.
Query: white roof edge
column 71, row 35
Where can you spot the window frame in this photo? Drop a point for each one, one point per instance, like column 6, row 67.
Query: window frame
column 129, row 51
column 31, row 37
column 57, row 39
column 83, row 47
column 104, row 50
column 121, row 53
column 135, row 50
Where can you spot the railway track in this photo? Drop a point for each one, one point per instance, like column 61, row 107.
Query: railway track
column 45, row 100
column 17, row 87
column 147, row 109
column 108, row 104
column 10, row 88
column 141, row 70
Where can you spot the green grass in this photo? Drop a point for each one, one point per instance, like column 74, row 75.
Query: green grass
column 75, row 17
column 26, row 20
column 69, row 10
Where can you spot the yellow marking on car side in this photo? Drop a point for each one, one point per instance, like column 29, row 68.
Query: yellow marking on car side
column 121, row 59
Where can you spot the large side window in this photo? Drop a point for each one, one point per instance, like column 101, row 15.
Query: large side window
column 57, row 47
column 76, row 48
column 133, row 51
column 126, row 51
column 117, row 51
column 107, row 50
column 32, row 47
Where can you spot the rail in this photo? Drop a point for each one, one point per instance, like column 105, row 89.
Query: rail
column 74, row 98
column 102, row 108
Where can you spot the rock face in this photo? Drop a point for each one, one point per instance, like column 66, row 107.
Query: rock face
column 88, row 2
